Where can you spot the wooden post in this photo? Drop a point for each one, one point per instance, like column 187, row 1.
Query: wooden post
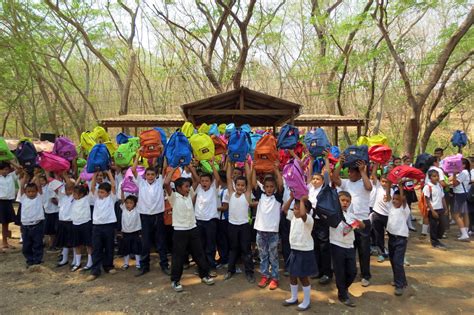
column 274, row 129
column 336, row 136
column 136, row 131
column 358, row 131
column 241, row 99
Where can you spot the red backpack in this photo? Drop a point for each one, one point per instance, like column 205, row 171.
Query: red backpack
column 405, row 171
column 285, row 157
column 266, row 154
column 219, row 144
column 150, row 141
column 380, row 154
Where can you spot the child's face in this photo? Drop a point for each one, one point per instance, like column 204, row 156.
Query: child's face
column 236, row 173
column 354, row 175
column 269, row 188
column 397, row 201
column 43, row 181
column 102, row 193
column 240, row 186
column 129, row 204
column 317, row 181
column 184, row 189
column 69, row 190
column 397, row 162
column 297, row 210
column 4, row 171
column 99, row 178
column 385, row 183
column 434, row 178
column 345, row 202
column 150, row 176
column 407, row 161
column 31, row 192
column 205, row 182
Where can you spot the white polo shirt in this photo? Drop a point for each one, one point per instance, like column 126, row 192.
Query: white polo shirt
column 104, row 210
column 435, row 195
column 268, row 211
column 31, row 210
column 183, row 211
column 300, row 232
column 151, row 199
column 464, row 182
column 380, row 206
column 65, row 205
column 238, row 209
column 397, row 221
column 7, row 186
column 130, row 220
column 336, row 235
column 360, row 198
column 80, row 211
column 206, row 203
column 48, row 195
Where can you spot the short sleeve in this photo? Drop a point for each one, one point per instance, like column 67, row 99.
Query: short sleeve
column 257, row 192
column 279, row 196
column 309, row 220
column 225, row 196
column 344, row 182
column 426, row 190
column 172, row 198
column 290, row 215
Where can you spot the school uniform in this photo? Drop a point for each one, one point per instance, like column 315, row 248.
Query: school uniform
column 32, row 229
column 81, row 222
column 343, row 254
column 186, row 237
column 103, row 233
column 7, row 196
column 64, row 235
column 397, row 229
column 284, row 229
column 360, row 209
column 435, row 194
column 206, row 219
column 151, row 206
column 240, row 233
column 131, row 242
column 380, row 216
column 460, row 192
column 267, row 222
column 51, row 210
column 302, row 262
column 222, row 241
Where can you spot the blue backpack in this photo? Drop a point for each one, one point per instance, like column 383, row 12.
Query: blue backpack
column 122, row 138
column 459, row 139
column 288, row 137
column 354, row 153
column 246, row 128
column 316, row 141
column 178, row 151
column 335, row 151
column 26, row 155
column 99, row 159
column 329, row 207
column 162, row 134
column 229, row 129
column 254, row 137
column 424, row 161
column 213, row 130
column 238, row 146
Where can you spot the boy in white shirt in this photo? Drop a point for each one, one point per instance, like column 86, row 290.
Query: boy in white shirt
column 434, row 196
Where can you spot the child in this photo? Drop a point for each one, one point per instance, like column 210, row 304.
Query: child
column 51, row 209
column 8, row 178
column 32, row 221
column 397, row 230
column 382, row 191
column 64, row 237
column 342, row 249
column 103, row 227
column 131, row 242
column 185, row 235
column 81, row 226
column 434, row 196
column 151, row 206
column 267, row 222
column 461, row 184
column 302, row 262
column 240, row 231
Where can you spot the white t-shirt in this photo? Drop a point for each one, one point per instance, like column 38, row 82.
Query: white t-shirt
column 380, row 206
column 300, row 232
column 65, row 205
column 130, row 220
column 372, row 196
column 31, row 210
column 7, row 186
column 118, row 184
column 397, row 221
column 463, row 179
column 151, row 199
column 80, row 211
column 439, row 170
column 222, row 197
column 435, row 196
column 48, row 195
column 183, row 211
column 336, row 235
column 238, row 209
column 268, row 212
column 313, row 194
column 360, row 197
column 104, row 210
column 206, row 203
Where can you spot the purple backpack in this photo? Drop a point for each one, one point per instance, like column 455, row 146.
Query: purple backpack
column 65, row 148
column 87, row 177
column 128, row 185
column 294, row 178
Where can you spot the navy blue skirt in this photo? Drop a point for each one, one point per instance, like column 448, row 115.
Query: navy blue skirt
column 82, row 234
column 51, row 223
column 7, row 214
column 131, row 243
column 64, row 237
column 302, row 263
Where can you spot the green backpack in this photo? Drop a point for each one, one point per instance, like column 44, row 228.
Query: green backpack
column 5, row 153
column 81, row 163
column 124, row 154
column 206, row 166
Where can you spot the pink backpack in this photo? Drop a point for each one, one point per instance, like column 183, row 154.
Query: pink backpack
column 65, row 148
column 52, row 163
column 128, row 185
column 294, row 178
column 453, row 164
column 87, row 177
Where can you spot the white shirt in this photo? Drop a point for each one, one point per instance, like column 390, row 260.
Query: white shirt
column 268, row 214
column 360, row 197
column 380, row 206
column 372, row 197
column 435, row 196
column 31, row 210
column 463, row 179
column 65, row 205
column 439, row 170
column 130, row 220
column 104, row 210
column 48, row 195
column 80, row 211
column 151, row 199
column 206, row 203
column 300, row 232
column 183, row 211
column 336, row 235
column 118, row 183
column 397, row 221
column 222, row 197
column 313, row 193
column 7, row 186
column 238, row 209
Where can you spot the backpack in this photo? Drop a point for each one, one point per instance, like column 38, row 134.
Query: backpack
column 124, row 155
column 162, row 134
column 424, row 161
column 265, row 154
column 26, row 154
column 122, row 138
column 51, row 162
column 80, row 163
column 203, row 146
column 294, row 178
column 150, row 141
column 176, row 174
column 99, row 159
column 206, row 166
column 238, row 146
column 229, row 129
column 254, row 138
column 100, row 135
column 284, row 156
column 187, row 129
column 377, row 140
column 5, row 153
column 355, row 153
column 222, row 128
column 380, row 154
column 65, row 148
column 213, row 130
column 87, row 141
column 128, row 185
column 459, row 139
column 288, row 137
column 328, row 207
column 204, row 128
column 246, row 128
column 86, row 176
column 423, row 204
column 363, row 140
column 316, row 142
column 405, row 171
column 178, row 150
column 335, row 151
column 453, row 164
column 220, row 146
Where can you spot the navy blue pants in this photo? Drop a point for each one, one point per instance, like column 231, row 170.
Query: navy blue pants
column 322, row 247
column 208, row 232
column 362, row 245
column 102, row 247
column 32, row 248
column 397, row 246
column 240, row 246
column 436, row 226
column 285, row 239
column 345, row 269
column 379, row 224
column 153, row 234
column 223, row 241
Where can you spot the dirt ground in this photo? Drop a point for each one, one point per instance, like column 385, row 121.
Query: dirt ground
column 440, row 282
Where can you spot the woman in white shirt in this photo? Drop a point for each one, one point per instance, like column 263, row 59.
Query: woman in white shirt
column 460, row 212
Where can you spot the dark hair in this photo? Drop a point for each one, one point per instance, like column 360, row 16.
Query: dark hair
column 307, row 204
column 397, row 192
column 438, row 150
column 223, row 176
column 206, row 175
column 105, row 186
column 396, row 158
column 82, row 190
column 31, row 185
column 241, row 178
column 181, row 181
column 150, row 169
column 345, row 194
column 239, row 169
column 4, row 165
column 132, row 198
column 269, row 178
column 432, row 172
column 466, row 163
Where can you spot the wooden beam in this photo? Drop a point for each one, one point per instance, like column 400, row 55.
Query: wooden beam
column 247, row 112
column 241, row 99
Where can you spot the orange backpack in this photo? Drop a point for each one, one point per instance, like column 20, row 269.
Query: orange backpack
column 219, row 144
column 423, row 205
column 266, row 154
column 150, row 140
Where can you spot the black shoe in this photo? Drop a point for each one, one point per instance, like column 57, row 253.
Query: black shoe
column 250, row 277
column 141, row 272
column 324, row 280
column 63, row 264
column 166, row 271
column 285, row 303
column 347, row 302
column 228, row 275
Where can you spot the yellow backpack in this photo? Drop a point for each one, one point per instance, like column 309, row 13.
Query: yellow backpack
column 204, row 128
column 378, row 140
column 187, row 129
column 87, row 141
column 363, row 140
column 100, row 135
column 111, row 147
column 203, row 146
column 221, row 128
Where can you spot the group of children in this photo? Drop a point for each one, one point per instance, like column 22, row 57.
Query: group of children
column 224, row 212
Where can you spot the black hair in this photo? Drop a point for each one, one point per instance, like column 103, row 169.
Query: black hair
column 307, row 204
column 31, row 185
column 239, row 169
column 150, row 169
column 4, row 165
column 181, row 181
column 396, row 158
column 432, row 172
column 467, row 164
column 241, row 178
column 206, row 175
column 82, row 190
column 345, row 194
column 106, row 186
column 132, row 198
column 269, row 178
column 397, row 192
column 438, row 150
column 223, row 176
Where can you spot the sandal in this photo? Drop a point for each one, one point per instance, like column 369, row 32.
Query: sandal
column 124, row 267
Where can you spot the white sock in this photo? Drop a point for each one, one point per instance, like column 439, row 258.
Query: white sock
column 424, row 229
column 65, row 252
column 307, row 297
column 89, row 261
column 410, row 224
column 137, row 260
column 464, row 232
column 126, row 259
column 294, row 293
column 77, row 262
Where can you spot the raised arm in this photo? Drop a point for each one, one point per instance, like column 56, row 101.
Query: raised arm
column 248, row 174
column 253, row 178
column 336, row 174
column 402, row 192
column 195, row 176
column 287, row 204
column 229, row 171
column 93, row 182
column 278, row 177
column 134, row 166
column 112, row 181
column 373, row 174
column 215, row 173
column 309, row 171
column 167, row 182
column 363, row 172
